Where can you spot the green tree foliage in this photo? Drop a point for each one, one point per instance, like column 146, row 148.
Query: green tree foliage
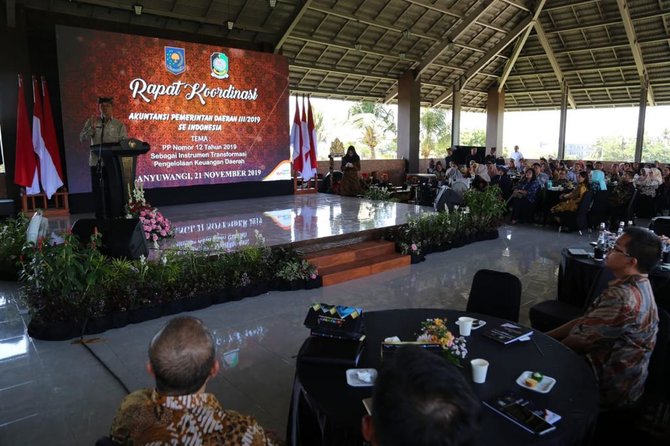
column 433, row 128
column 475, row 137
column 377, row 124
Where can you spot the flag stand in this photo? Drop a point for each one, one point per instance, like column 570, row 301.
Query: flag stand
column 57, row 206
column 309, row 187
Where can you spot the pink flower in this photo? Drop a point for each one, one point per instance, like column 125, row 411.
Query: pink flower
column 163, row 233
column 414, row 247
column 154, row 237
column 313, row 276
column 147, row 235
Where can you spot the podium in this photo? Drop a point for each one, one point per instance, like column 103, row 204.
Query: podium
column 119, row 161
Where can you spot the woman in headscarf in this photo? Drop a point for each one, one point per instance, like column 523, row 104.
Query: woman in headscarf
column 649, row 180
column 351, row 165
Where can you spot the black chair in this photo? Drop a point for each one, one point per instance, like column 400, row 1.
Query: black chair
column 660, row 225
column 577, row 220
column 598, row 211
column 630, row 209
column 106, row 441
column 551, row 314
column 659, row 363
column 495, row 293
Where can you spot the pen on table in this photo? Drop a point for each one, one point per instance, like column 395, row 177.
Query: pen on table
column 537, row 346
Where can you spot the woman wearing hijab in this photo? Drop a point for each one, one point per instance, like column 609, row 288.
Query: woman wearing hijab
column 351, row 164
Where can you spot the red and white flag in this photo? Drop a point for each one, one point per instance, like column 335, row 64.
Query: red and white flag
column 49, row 131
column 25, row 170
column 312, row 137
column 307, row 172
column 296, row 139
column 48, row 174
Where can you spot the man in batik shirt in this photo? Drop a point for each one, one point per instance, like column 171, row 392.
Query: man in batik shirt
column 618, row 332
column 178, row 411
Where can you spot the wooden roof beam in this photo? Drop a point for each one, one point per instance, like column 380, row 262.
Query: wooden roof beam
column 542, row 37
column 296, row 18
column 635, row 48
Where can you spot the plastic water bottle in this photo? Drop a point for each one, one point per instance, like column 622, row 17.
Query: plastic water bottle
column 630, row 223
column 550, row 184
column 599, row 251
column 619, row 231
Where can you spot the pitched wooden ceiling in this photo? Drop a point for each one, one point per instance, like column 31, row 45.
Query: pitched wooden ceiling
column 357, row 49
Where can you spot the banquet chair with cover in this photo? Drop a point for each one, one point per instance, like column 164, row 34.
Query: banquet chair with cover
column 495, row 293
column 659, row 365
column 551, row 314
column 660, row 225
column 598, row 211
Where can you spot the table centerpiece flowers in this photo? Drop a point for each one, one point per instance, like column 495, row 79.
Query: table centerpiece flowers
column 435, row 331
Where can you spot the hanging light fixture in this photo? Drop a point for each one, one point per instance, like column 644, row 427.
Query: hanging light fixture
column 230, row 24
column 273, row 3
column 358, row 46
column 138, row 8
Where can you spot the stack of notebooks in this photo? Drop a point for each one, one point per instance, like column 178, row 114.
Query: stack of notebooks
column 337, row 335
column 508, row 333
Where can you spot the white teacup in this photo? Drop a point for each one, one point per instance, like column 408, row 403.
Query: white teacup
column 479, row 368
column 465, row 325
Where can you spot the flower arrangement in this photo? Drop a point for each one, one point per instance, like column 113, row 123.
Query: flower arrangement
column 413, row 248
column 435, row 331
column 156, row 226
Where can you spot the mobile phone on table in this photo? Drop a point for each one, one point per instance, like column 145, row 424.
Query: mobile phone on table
column 526, row 418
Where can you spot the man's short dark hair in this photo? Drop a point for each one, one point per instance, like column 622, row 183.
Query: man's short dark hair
column 421, row 399
column 182, row 355
column 645, row 246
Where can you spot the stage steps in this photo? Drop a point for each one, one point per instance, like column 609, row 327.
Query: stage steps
column 350, row 262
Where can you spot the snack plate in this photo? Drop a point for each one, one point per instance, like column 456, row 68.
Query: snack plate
column 543, row 386
column 354, row 380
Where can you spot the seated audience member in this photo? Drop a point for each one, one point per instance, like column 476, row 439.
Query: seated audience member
column 511, row 166
column 500, row 178
column 541, row 176
column 491, row 157
column 182, row 359
column 648, row 181
column 524, row 197
column 420, row 399
column 617, row 333
column 480, row 170
column 620, row 195
column 453, row 173
column 439, row 171
column 431, row 166
column 449, row 158
column 562, row 178
column 615, row 173
column 597, row 176
column 570, row 201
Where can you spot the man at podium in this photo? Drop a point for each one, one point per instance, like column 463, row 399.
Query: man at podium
column 102, row 128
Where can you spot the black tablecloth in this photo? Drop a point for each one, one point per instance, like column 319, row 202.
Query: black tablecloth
column 325, row 410
column 577, row 278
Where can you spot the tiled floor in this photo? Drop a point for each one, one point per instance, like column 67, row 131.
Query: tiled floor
column 57, row 393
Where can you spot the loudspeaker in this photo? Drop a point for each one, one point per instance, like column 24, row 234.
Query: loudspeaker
column 123, row 237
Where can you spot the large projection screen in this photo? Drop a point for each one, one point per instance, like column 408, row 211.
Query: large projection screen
column 212, row 115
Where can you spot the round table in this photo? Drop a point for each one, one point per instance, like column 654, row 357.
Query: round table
column 580, row 281
column 326, row 410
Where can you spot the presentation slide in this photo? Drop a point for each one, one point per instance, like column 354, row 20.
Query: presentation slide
column 211, row 114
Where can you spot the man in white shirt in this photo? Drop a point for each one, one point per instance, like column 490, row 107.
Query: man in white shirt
column 517, row 157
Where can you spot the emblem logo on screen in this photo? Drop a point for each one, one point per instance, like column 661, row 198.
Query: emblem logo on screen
column 175, row 59
column 219, row 62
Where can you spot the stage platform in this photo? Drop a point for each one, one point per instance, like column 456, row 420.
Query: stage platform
column 307, row 222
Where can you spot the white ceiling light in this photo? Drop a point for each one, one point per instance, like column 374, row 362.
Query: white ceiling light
column 231, row 24
column 138, row 8
column 273, row 3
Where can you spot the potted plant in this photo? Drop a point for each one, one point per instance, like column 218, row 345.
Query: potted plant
column 60, row 284
column 12, row 239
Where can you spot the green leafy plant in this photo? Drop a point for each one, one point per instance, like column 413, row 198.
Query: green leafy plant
column 12, row 240
column 60, row 282
column 378, row 193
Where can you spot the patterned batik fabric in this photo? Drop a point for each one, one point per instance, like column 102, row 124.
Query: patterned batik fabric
column 618, row 335
column 148, row 418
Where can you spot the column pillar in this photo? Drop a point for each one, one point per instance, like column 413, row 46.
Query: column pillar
column 409, row 113
column 495, row 112
column 455, row 116
column 639, row 140
column 565, row 91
